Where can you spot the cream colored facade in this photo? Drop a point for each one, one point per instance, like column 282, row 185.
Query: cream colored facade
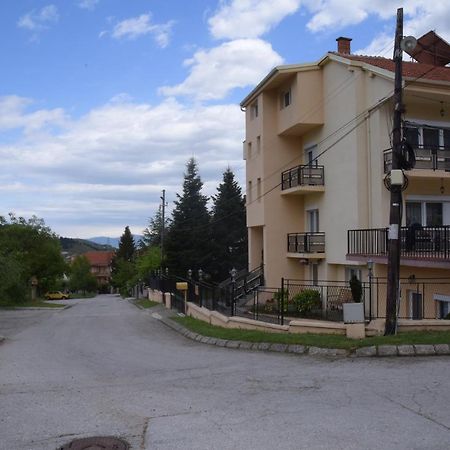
column 336, row 112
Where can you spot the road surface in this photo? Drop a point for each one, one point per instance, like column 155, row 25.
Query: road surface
column 104, row 367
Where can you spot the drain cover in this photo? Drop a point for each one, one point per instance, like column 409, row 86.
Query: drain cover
column 96, row 443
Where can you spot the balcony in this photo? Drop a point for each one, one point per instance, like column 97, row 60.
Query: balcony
column 429, row 158
column 306, row 245
column 300, row 180
column 418, row 245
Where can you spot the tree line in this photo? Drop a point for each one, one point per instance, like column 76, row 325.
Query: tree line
column 213, row 240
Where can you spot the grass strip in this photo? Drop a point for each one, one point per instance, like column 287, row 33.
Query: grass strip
column 314, row 340
column 145, row 303
column 34, row 304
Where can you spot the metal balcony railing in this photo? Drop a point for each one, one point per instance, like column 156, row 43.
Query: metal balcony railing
column 308, row 175
column 306, row 242
column 434, row 158
column 415, row 242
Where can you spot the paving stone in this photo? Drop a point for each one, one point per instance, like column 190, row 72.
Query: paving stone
column 233, row 344
column 300, row 349
column 440, row 349
column 246, row 345
column 255, row 346
column 318, row 351
column 221, row 342
column 387, row 350
column 424, row 350
column 205, row 339
column 278, row 347
column 191, row 335
column 366, row 351
column 406, row 350
column 212, row 341
column 341, row 352
column 263, row 346
column 198, row 337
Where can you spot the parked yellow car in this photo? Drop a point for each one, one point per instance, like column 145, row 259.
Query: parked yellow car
column 56, row 295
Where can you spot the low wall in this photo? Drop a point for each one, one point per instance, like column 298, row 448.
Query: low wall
column 317, row 327
column 424, row 325
column 155, row 296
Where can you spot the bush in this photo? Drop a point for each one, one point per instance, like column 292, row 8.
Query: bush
column 356, row 288
column 307, row 300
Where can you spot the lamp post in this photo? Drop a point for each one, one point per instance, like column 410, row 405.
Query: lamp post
column 233, row 273
column 370, row 270
column 200, row 279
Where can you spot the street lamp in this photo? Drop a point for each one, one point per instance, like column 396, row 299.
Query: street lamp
column 370, row 273
column 189, row 274
column 200, row 275
column 233, row 273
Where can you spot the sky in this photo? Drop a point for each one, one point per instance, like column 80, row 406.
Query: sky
column 102, row 102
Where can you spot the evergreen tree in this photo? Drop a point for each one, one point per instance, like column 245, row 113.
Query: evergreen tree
column 229, row 231
column 127, row 248
column 188, row 244
column 123, row 268
column 152, row 234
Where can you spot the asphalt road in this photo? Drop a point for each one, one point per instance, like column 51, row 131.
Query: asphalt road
column 104, row 367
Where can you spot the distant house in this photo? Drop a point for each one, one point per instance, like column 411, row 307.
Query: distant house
column 101, row 265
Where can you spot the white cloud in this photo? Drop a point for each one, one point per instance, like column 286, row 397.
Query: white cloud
column 39, row 20
column 141, row 26
column 249, row 18
column 111, row 164
column 13, row 115
column 88, row 4
column 215, row 72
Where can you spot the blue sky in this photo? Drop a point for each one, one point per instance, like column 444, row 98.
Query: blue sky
column 103, row 101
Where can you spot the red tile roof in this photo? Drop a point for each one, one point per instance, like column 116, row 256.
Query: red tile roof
column 99, row 258
column 410, row 69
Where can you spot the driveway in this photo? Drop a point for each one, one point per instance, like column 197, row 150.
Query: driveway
column 104, row 367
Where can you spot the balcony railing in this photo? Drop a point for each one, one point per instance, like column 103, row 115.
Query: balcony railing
column 306, row 242
column 308, row 175
column 415, row 242
column 431, row 158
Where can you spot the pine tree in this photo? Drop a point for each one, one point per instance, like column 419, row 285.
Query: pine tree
column 151, row 236
column 229, row 231
column 188, row 245
column 127, row 247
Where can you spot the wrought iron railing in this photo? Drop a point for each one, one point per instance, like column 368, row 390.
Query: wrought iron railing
column 434, row 158
column 415, row 242
column 306, row 242
column 307, row 175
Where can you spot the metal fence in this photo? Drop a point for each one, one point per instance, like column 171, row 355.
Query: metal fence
column 324, row 300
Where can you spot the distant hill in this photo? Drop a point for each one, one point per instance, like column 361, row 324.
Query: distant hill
column 113, row 241
column 80, row 246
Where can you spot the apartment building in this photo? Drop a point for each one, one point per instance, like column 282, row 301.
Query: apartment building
column 317, row 151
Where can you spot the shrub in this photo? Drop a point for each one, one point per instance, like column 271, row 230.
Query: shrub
column 356, row 288
column 307, row 300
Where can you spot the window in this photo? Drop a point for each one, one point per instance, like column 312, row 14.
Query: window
column 352, row 271
column 254, row 109
column 285, row 99
column 258, row 144
column 427, row 214
column 249, row 150
column 313, row 220
column 310, row 153
column 249, row 192
column 315, row 274
column 258, row 189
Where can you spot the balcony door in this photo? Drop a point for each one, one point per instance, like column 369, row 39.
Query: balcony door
column 426, row 214
column 313, row 220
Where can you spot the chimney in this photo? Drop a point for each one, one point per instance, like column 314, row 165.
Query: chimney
column 343, row 45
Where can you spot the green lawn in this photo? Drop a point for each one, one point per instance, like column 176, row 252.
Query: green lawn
column 30, row 304
column 315, row 340
column 145, row 303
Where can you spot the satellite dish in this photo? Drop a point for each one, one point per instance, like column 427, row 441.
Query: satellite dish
column 408, row 44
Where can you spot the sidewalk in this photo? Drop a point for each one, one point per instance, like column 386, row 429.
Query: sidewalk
column 162, row 314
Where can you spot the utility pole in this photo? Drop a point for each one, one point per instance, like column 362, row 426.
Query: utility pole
column 163, row 225
column 393, row 268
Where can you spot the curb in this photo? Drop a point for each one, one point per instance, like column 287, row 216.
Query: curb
column 361, row 352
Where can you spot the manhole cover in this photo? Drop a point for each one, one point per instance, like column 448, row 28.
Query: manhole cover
column 96, row 443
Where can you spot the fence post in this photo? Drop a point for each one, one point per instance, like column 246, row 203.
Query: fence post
column 281, row 303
